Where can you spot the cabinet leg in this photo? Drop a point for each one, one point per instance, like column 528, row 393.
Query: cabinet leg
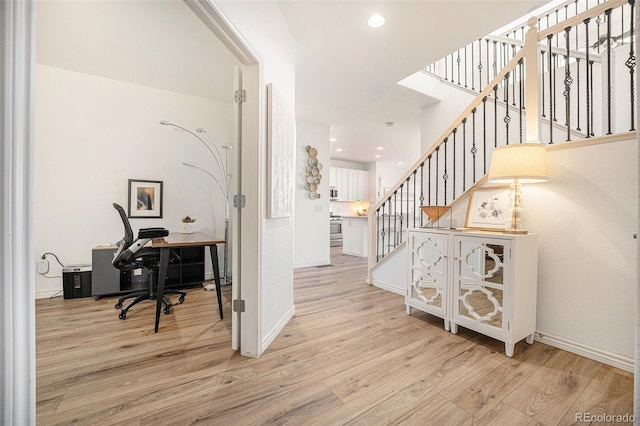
column 529, row 339
column 447, row 325
column 408, row 310
column 454, row 328
column 508, row 349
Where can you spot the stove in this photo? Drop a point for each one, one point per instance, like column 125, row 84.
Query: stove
column 335, row 230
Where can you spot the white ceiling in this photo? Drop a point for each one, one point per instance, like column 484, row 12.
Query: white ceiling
column 346, row 72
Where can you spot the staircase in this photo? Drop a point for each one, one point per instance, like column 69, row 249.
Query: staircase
column 572, row 80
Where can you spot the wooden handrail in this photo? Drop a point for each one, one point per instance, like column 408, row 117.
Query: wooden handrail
column 475, row 103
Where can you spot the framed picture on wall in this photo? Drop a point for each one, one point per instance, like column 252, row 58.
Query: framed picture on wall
column 145, row 198
column 487, row 207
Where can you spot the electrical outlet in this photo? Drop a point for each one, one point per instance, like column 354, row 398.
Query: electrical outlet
column 43, row 266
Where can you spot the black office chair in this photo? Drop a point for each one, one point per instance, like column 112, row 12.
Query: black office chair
column 134, row 255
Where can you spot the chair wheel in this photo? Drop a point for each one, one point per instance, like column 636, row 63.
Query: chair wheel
column 167, row 310
column 123, row 315
column 181, row 299
column 118, row 305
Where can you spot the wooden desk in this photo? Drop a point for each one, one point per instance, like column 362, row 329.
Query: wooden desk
column 174, row 240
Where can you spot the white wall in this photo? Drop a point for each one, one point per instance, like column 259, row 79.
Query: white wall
column 263, row 27
column 92, row 134
column 312, row 216
column 585, row 216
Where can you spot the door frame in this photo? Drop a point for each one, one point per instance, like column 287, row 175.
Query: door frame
column 247, row 230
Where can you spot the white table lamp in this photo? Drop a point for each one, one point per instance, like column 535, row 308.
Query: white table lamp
column 515, row 165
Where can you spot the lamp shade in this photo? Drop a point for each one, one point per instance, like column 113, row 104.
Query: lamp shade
column 526, row 162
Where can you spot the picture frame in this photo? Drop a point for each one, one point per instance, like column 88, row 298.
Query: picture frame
column 486, row 208
column 145, row 199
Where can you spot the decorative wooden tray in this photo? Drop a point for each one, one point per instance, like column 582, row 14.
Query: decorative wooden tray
column 435, row 212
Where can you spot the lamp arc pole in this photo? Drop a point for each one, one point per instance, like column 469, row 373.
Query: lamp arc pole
column 224, row 184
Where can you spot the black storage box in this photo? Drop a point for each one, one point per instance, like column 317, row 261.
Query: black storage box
column 76, row 281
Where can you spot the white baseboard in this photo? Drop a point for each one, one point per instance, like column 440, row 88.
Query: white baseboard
column 389, row 287
column 354, row 253
column 615, row 360
column 48, row 294
column 269, row 338
column 309, row 264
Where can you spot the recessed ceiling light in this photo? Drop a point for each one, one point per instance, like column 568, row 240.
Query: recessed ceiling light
column 376, row 21
column 400, row 163
column 339, row 149
column 332, row 139
column 379, row 148
column 377, row 156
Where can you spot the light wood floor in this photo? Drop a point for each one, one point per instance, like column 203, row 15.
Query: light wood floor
column 350, row 355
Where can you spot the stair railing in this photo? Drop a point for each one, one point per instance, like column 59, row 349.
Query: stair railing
column 452, row 166
column 514, row 109
column 580, row 56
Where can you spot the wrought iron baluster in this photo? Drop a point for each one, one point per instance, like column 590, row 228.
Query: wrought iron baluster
column 378, row 234
column 473, row 80
column 395, row 224
column 445, row 176
column 421, row 188
column 631, row 64
column 495, row 55
column 445, row 69
column 542, row 53
column 437, row 174
column 484, row 135
column 591, row 89
column 495, row 116
column 415, row 172
column 464, row 154
column 557, row 21
column 429, row 180
column 507, row 118
column 577, row 91
column 598, row 22
column 487, row 49
column 555, row 90
column 567, row 84
column 458, row 62
column 520, row 66
column 549, row 43
column 401, row 213
column 383, row 231
column 465, row 64
column 453, row 189
column 474, row 149
column 622, row 25
column 391, row 231
column 414, row 215
column 479, row 66
column 577, row 45
column 589, row 77
column 608, row 15
column 452, row 79
column 514, row 79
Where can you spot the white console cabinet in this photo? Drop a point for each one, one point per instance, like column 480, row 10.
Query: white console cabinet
column 483, row 281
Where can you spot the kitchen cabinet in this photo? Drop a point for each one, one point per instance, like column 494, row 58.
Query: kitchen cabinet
column 352, row 184
column 483, row 281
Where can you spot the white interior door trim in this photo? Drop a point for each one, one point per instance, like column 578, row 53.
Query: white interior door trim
column 17, row 264
column 247, row 232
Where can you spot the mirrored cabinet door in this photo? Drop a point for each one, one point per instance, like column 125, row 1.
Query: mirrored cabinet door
column 481, row 265
column 428, row 273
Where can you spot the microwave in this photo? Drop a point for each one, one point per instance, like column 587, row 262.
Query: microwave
column 333, row 193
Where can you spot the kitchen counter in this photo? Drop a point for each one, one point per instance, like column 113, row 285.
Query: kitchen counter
column 355, row 236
